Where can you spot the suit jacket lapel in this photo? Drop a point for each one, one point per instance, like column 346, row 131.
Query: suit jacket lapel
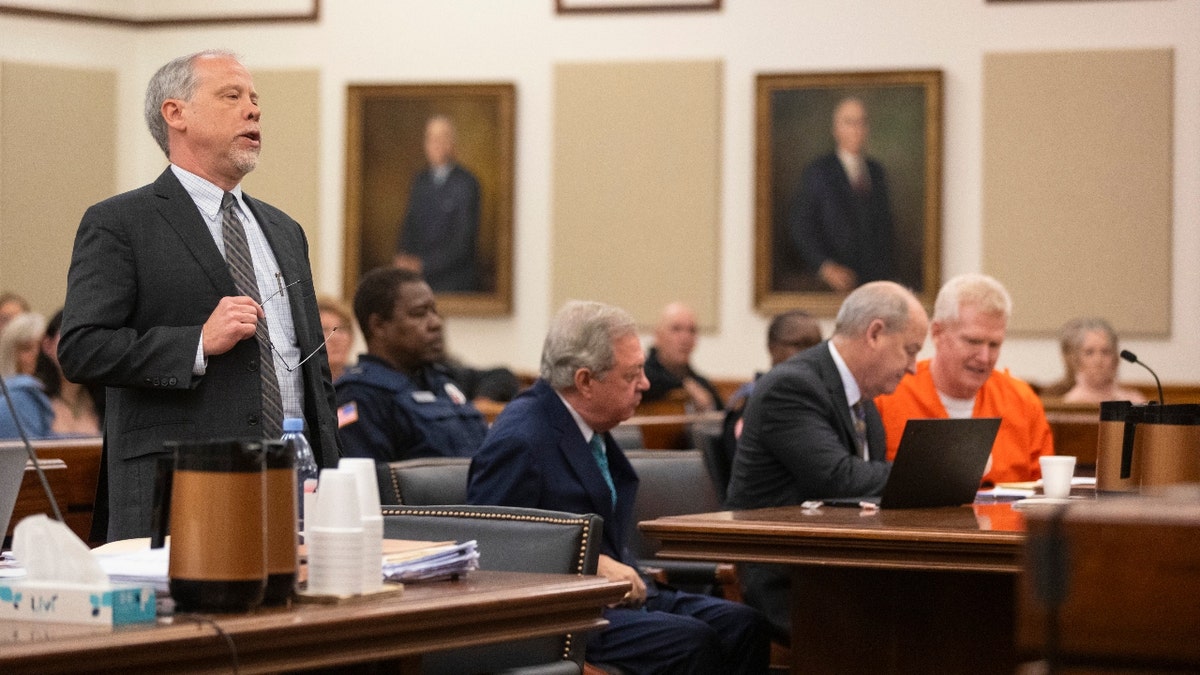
column 179, row 212
column 285, row 256
column 837, row 394
column 579, row 455
column 876, row 435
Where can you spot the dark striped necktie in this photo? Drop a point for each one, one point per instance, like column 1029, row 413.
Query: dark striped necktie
column 860, row 428
column 241, row 267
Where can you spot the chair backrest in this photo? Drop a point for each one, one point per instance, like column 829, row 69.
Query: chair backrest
column 424, row 481
column 671, row 483
column 717, row 457
column 509, row 539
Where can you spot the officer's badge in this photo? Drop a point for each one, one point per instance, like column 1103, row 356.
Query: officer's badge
column 455, row 394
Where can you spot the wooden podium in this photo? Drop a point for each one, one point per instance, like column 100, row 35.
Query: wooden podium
column 1113, row 584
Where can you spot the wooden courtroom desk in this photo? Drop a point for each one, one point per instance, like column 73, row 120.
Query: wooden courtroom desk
column 74, row 489
column 484, row 607
column 895, row 591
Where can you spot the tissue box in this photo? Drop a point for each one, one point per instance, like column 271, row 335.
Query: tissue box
column 101, row 605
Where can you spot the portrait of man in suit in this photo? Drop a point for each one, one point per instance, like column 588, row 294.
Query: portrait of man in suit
column 840, row 219
column 848, row 192
column 440, row 229
column 429, row 187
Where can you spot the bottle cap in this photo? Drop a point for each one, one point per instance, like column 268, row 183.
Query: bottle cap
column 293, row 424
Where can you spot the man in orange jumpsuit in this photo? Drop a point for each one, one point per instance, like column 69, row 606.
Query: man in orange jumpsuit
column 970, row 317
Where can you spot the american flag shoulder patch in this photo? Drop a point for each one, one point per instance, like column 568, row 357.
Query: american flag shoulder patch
column 347, row 414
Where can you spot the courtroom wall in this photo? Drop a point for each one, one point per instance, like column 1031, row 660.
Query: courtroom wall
column 525, row 43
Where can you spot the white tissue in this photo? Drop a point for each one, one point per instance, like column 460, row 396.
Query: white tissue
column 50, row 551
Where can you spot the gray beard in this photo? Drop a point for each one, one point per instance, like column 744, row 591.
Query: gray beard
column 244, row 160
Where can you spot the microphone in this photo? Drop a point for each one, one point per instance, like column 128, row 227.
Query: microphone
column 30, row 451
column 1132, row 358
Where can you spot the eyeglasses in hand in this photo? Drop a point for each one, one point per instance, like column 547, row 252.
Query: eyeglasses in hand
column 271, row 344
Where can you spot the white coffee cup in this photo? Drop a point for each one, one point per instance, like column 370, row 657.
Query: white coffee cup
column 1057, row 471
column 335, row 538
column 372, row 520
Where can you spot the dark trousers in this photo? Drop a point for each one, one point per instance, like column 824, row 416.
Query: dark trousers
column 768, row 588
column 678, row 632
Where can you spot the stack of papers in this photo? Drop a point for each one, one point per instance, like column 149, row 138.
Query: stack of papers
column 1004, row 494
column 427, row 561
column 142, row 566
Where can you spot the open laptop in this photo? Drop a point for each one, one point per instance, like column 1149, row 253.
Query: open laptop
column 12, row 469
column 939, row 463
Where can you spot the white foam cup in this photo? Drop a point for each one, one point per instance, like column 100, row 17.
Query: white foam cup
column 372, row 520
column 335, row 539
column 1057, row 471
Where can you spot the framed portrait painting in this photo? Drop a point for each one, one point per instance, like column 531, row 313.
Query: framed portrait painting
column 429, row 186
column 848, row 176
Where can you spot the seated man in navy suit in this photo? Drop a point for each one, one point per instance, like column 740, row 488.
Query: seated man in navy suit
column 551, row 449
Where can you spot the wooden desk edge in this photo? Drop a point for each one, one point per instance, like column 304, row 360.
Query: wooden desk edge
column 685, row 538
column 270, row 640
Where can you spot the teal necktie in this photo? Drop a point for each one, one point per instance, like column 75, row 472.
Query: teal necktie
column 601, row 456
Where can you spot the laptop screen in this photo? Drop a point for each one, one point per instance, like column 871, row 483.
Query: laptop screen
column 939, row 462
column 12, row 469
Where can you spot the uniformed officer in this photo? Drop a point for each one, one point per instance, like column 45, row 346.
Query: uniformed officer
column 398, row 402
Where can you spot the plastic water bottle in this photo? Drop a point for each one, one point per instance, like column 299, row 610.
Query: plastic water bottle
column 306, row 463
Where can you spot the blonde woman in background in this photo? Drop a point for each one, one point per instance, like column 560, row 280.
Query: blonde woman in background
column 19, row 344
column 1091, row 356
column 335, row 314
column 78, row 408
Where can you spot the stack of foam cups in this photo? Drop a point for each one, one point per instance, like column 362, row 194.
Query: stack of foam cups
column 335, row 537
column 372, row 519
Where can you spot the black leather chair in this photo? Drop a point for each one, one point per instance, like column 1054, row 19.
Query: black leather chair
column 717, row 459
column 516, row 540
column 671, row 483
column 424, row 481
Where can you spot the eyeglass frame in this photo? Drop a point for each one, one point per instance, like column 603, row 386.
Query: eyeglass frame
column 271, row 344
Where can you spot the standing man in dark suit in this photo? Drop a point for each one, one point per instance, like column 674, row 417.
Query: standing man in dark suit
column 441, row 227
column 156, row 313
column 841, row 217
column 551, row 449
column 811, row 429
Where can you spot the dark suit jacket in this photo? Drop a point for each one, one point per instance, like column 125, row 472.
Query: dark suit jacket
column 535, row 456
column 441, row 227
column 829, row 220
column 663, row 382
column 798, row 440
column 145, row 275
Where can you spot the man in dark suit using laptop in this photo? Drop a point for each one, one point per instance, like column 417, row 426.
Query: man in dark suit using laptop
column 192, row 302
column 810, row 428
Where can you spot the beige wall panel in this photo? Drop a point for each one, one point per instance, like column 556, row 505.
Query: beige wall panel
column 57, row 157
column 288, row 168
column 637, row 174
column 1077, row 180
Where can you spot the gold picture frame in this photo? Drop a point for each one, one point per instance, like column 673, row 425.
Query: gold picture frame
column 384, row 154
column 794, row 141
column 599, row 6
